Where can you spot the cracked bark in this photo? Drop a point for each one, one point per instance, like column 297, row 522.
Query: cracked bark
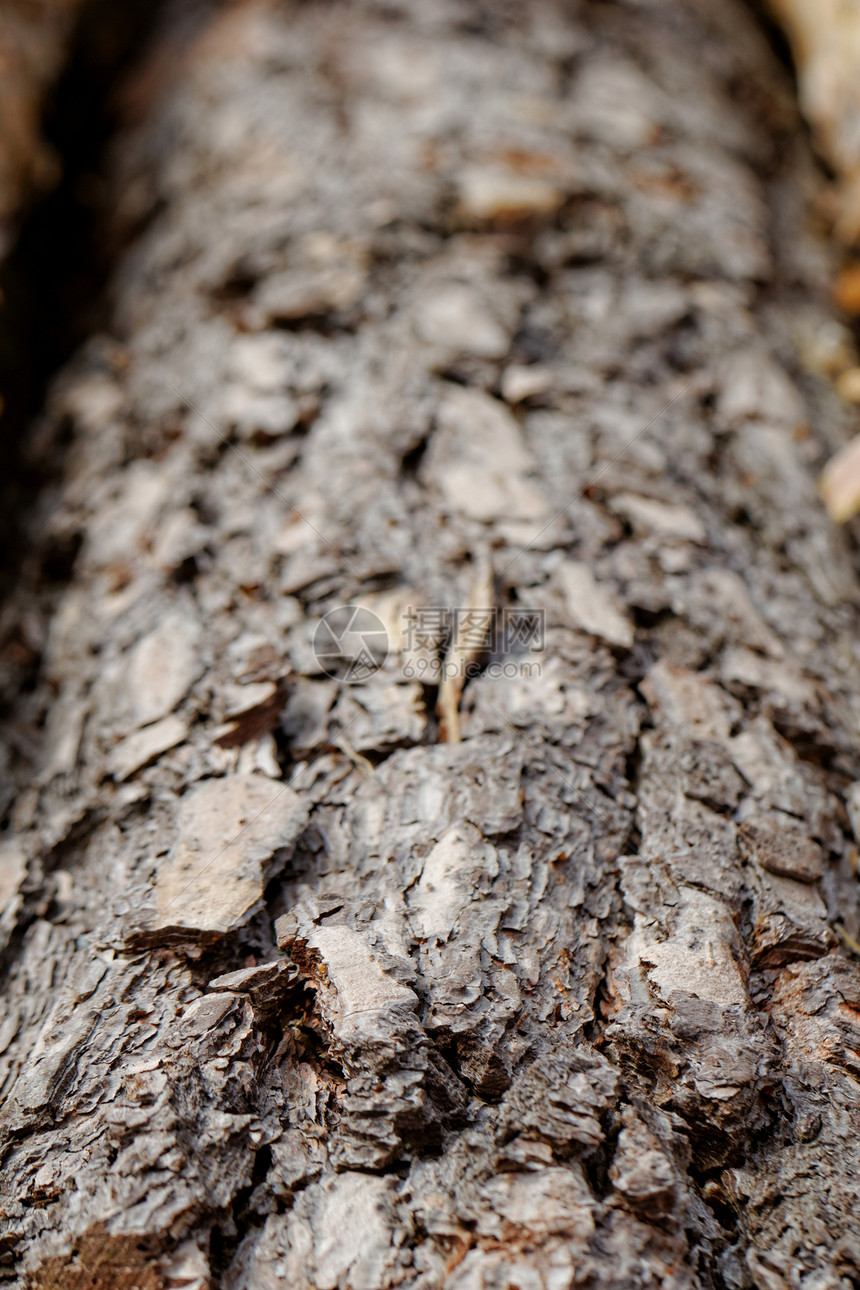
column 296, row 993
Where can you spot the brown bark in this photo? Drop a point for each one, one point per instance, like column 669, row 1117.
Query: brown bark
column 298, row 993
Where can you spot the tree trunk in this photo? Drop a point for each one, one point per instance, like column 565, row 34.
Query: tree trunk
column 421, row 305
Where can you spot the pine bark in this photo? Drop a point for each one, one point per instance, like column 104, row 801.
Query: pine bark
column 300, row 991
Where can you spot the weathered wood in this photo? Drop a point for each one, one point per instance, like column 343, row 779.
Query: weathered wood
column 299, row 994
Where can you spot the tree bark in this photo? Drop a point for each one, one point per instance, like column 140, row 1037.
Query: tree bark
column 301, row 991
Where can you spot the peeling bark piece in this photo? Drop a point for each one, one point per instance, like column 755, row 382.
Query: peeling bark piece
column 187, row 1267
column 267, row 984
column 541, row 1202
column 755, row 388
column 250, row 978
column 641, row 1169
column 139, row 749
column 119, row 532
column 789, row 922
column 206, row 1013
column 360, row 996
column 345, row 1232
column 457, row 867
column 398, row 1090
column 592, row 607
column 741, row 667
column 479, row 462
column 495, row 193
column 261, row 417
column 648, row 515
column 163, row 666
column 781, row 845
column 253, row 711
column 355, row 1232
column 456, row 923
column 260, row 362
column 682, row 974
column 311, row 291
column 454, row 318
column 228, row 830
column 520, row 383
column 701, row 957
column 298, row 1158
column 615, row 102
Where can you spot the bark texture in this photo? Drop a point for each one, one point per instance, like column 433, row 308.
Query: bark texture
column 299, row 994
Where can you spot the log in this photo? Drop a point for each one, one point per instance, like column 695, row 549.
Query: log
column 344, row 949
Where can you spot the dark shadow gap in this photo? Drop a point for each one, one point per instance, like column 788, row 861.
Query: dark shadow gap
column 53, row 281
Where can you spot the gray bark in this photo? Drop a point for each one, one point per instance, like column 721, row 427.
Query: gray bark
column 301, row 992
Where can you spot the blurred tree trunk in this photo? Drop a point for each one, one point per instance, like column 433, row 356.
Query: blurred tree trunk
column 418, row 305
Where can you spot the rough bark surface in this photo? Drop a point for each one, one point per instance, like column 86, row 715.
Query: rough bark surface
column 297, row 993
